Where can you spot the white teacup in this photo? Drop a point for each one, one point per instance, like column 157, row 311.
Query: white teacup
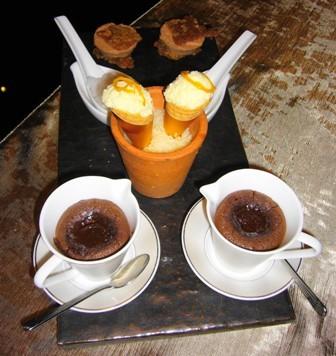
column 88, row 187
column 242, row 263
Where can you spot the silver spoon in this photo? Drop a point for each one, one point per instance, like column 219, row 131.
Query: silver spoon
column 122, row 276
column 312, row 298
column 96, row 77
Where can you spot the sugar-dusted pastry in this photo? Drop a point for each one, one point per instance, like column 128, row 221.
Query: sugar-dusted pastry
column 182, row 37
column 186, row 97
column 115, row 43
column 133, row 104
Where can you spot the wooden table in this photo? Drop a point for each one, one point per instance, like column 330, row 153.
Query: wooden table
column 283, row 94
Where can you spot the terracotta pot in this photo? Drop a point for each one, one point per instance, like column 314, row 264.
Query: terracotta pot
column 159, row 175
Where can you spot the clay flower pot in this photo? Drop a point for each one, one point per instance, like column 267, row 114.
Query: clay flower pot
column 159, row 175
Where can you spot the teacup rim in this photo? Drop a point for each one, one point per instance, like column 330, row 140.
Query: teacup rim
column 299, row 227
column 63, row 257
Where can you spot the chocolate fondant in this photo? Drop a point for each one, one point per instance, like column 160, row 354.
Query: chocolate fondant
column 251, row 220
column 92, row 229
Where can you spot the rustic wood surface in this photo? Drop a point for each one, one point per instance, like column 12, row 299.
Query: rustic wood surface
column 283, row 94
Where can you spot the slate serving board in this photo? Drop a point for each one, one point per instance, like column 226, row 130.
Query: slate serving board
column 176, row 302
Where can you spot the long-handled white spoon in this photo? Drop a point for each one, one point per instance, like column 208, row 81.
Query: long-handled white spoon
column 95, row 76
column 219, row 72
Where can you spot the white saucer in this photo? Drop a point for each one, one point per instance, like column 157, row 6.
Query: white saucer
column 198, row 252
column 108, row 299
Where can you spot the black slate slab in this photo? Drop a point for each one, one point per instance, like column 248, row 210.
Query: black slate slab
column 176, row 302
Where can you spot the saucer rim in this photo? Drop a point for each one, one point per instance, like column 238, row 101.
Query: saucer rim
column 128, row 300
column 203, row 278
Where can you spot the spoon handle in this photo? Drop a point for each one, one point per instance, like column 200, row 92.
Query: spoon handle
column 58, row 309
column 231, row 56
column 87, row 64
column 120, row 278
column 312, row 298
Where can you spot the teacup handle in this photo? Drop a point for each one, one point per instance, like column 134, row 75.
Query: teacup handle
column 42, row 278
column 313, row 250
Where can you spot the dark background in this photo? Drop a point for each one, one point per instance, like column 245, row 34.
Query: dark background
column 31, row 46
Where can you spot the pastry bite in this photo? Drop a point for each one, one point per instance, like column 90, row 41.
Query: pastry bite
column 186, row 97
column 182, row 37
column 133, row 105
column 115, row 43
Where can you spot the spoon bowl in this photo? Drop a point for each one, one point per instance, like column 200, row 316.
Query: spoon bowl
column 100, row 114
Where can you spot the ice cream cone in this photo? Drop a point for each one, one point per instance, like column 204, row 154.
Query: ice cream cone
column 133, row 119
column 132, row 104
column 186, row 97
column 178, row 119
column 140, row 135
column 184, row 114
column 137, row 128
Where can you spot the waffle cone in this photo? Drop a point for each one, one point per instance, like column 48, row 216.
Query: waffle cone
column 175, row 127
column 140, row 135
column 134, row 119
column 183, row 114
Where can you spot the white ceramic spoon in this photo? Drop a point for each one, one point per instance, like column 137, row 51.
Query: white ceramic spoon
column 230, row 57
column 218, row 97
column 80, row 83
column 95, row 76
column 218, row 73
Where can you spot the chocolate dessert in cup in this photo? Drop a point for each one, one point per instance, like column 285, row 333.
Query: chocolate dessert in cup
column 89, row 223
column 255, row 218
